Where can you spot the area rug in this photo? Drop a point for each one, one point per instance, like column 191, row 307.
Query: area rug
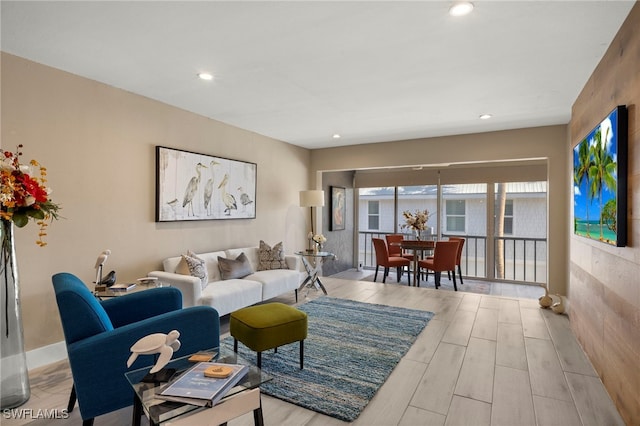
column 469, row 286
column 350, row 350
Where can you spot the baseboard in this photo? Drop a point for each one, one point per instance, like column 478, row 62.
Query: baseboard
column 46, row 355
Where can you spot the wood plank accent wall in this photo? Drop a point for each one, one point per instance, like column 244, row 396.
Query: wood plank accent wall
column 604, row 286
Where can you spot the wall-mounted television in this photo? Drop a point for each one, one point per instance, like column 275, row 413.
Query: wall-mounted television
column 600, row 181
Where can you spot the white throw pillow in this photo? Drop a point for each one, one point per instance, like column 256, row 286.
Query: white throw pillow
column 190, row 264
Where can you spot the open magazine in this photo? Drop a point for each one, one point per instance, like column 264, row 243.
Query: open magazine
column 193, row 387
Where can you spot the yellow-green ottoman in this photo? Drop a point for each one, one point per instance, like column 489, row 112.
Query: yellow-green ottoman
column 268, row 326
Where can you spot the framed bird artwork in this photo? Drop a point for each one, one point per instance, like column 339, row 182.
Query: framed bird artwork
column 193, row 186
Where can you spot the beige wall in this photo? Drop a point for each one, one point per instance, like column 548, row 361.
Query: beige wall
column 604, row 281
column 98, row 145
column 535, row 143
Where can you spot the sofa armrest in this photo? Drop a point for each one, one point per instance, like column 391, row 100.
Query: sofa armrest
column 134, row 307
column 294, row 262
column 191, row 287
column 98, row 363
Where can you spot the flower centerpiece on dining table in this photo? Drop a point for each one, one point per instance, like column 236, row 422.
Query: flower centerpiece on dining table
column 24, row 196
column 416, row 221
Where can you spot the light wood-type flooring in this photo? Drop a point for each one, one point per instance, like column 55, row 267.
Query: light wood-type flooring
column 482, row 360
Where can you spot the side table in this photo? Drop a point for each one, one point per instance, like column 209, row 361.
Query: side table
column 116, row 293
column 312, row 262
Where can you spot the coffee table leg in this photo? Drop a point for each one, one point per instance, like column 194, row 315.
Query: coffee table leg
column 257, row 415
column 137, row 411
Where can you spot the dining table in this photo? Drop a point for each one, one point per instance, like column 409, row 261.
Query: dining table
column 418, row 247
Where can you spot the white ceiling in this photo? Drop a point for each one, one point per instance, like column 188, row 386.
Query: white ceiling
column 300, row 71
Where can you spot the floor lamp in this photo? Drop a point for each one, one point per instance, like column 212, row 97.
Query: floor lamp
column 312, row 198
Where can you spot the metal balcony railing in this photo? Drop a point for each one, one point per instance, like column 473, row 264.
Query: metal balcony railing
column 525, row 259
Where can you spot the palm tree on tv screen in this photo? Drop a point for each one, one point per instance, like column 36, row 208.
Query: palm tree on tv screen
column 602, row 171
column 581, row 172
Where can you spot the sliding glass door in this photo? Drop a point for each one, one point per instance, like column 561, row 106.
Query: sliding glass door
column 520, row 236
column 504, row 224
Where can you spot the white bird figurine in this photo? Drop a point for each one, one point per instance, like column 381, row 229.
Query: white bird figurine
column 157, row 343
column 102, row 258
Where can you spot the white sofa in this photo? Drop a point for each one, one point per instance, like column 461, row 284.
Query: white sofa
column 229, row 295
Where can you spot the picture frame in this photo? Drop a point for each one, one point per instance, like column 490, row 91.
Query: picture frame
column 194, row 186
column 338, row 208
column 600, row 181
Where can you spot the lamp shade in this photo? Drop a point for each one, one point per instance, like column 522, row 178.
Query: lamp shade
column 312, row 198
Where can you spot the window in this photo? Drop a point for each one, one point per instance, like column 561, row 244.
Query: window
column 455, row 215
column 418, row 198
column 374, row 214
column 508, row 218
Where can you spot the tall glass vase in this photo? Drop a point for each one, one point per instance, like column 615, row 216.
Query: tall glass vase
column 14, row 387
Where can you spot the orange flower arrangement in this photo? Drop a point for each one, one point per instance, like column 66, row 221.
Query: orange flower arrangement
column 24, row 196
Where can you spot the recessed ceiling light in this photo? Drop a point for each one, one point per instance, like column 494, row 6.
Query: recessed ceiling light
column 336, row 136
column 460, row 8
column 205, row 76
column 485, row 116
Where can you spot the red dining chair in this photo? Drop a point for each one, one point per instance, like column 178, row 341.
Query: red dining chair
column 459, row 255
column 393, row 245
column 444, row 259
column 383, row 259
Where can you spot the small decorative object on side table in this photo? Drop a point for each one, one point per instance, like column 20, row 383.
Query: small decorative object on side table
column 315, row 242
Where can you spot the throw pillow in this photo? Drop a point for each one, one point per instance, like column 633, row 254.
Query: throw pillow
column 190, row 264
column 271, row 258
column 234, row 268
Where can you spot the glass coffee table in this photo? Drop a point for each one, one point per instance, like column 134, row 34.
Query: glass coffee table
column 241, row 399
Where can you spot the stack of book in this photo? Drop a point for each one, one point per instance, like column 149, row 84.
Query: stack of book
column 122, row 287
column 195, row 388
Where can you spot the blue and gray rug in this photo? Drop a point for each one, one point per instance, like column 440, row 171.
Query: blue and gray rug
column 350, row 350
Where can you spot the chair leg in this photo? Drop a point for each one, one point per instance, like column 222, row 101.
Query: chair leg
column 235, row 345
column 460, row 274
column 375, row 277
column 72, row 399
column 301, row 354
column 455, row 287
column 398, row 273
column 88, row 422
column 296, row 290
column 436, row 276
column 384, row 276
column 259, row 363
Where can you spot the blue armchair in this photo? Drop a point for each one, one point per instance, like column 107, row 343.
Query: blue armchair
column 99, row 335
